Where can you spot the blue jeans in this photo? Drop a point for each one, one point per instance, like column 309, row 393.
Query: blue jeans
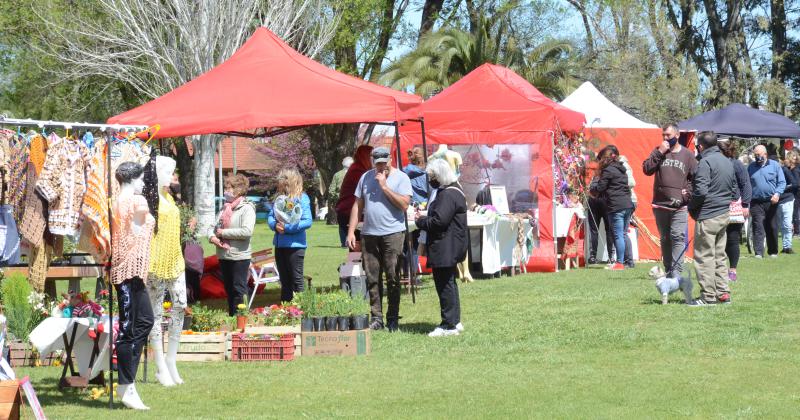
column 620, row 220
column 786, row 211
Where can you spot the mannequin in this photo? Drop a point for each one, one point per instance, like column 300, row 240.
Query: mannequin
column 167, row 272
column 454, row 159
column 132, row 231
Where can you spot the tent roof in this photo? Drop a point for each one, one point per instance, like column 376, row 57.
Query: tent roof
column 494, row 98
column 743, row 121
column 600, row 112
column 266, row 83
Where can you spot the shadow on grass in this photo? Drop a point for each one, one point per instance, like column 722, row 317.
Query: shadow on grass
column 49, row 394
column 657, row 301
column 422, row 328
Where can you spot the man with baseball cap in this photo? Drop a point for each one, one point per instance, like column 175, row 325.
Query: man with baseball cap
column 383, row 195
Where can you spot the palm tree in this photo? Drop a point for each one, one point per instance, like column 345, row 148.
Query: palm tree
column 445, row 56
column 550, row 67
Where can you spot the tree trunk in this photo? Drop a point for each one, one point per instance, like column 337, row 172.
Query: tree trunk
column 185, row 171
column 777, row 28
column 581, row 6
column 331, row 143
column 205, row 147
column 430, row 12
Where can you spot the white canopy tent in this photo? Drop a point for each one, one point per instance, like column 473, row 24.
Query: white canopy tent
column 599, row 111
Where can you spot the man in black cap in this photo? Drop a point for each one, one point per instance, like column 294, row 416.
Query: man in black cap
column 383, row 195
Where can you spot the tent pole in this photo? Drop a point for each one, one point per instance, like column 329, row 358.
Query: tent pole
column 221, row 187
column 555, row 200
column 405, row 219
column 234, row 154
column 108, row 277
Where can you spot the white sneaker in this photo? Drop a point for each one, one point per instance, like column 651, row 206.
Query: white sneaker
column 773, row 255
column 460, row 327
column 441, row 332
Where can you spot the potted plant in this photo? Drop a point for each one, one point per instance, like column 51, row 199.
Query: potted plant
column 360, row 313
column 241, row 315
column 306, row 300
column 331, row 320
column 23, row 309
column 344, row 309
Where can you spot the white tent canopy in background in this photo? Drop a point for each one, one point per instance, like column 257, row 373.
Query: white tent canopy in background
column 599, row 111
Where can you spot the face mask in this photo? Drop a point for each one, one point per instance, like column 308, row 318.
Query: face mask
column 175, row 188
column 435, row 184
column 672, row 142
column 228, row 197
column 760, row 160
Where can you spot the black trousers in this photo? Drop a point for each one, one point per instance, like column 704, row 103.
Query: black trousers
column 234, row 276
column 290, row 269
column 447, row 289
column 597, row 215
column 796, row 215
column 734, row 232
column 135, row 324
column 765, row 223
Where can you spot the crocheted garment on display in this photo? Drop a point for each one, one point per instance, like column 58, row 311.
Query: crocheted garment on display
column 166, row 256
column 95, row 235
column 131, row 257
column 17, row 168
column 63, row 184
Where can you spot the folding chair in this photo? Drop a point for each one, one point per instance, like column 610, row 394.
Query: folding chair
column 262, row 271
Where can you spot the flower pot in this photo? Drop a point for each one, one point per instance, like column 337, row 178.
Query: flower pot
column 319, row 323
column 359, row 322
column 241, row 322
column 344, row 323
column 331, row 322
column 307, row 324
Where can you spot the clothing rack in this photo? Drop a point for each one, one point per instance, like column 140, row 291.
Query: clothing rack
column 108, row 130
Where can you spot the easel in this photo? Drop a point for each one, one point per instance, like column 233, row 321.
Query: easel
column 75, row 380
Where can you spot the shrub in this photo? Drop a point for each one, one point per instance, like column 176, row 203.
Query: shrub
column 20, row 313
column 205, row 319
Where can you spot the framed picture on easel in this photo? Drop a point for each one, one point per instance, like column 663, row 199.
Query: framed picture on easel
column 499, row 198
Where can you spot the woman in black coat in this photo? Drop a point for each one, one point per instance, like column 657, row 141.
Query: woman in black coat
column 446, row 242
column 613, row 187
column 744, row 191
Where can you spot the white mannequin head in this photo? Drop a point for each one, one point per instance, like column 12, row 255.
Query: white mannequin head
column 165, row 167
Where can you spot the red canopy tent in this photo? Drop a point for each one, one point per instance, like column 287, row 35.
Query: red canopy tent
column 267, row 84
column 494, row 107
column 267, row 88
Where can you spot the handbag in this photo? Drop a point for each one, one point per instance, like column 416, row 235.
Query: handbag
column 736, row 212
column 193, row 256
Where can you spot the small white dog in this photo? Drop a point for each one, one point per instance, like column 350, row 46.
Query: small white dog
column 667, row 285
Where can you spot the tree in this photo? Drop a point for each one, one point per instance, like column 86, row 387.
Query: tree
column 359, row 48
column 154, row 47
column 445, row 56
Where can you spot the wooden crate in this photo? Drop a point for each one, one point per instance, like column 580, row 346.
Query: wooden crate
column 201, row 347
column 10, row 400
column 298, row 342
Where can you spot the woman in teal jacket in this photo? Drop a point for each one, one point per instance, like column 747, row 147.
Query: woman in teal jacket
column 290, row 223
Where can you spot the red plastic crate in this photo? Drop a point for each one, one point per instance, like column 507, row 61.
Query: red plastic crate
column 253, row 349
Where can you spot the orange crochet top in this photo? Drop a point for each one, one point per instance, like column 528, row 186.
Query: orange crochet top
column 131, row 249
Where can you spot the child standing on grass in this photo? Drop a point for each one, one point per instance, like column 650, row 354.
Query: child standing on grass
column 289, row 218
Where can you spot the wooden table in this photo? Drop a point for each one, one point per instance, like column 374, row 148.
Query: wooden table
column 73, row 273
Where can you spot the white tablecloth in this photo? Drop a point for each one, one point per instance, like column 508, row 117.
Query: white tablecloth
column 564, row 216
column 499, row 240
column 46, row 337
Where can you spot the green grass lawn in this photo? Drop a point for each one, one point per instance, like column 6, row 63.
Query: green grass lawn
column 577, row 344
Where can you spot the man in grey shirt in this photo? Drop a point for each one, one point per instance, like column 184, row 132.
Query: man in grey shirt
column 383, row 195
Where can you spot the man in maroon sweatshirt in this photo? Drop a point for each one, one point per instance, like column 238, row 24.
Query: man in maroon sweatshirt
column 673, row 166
